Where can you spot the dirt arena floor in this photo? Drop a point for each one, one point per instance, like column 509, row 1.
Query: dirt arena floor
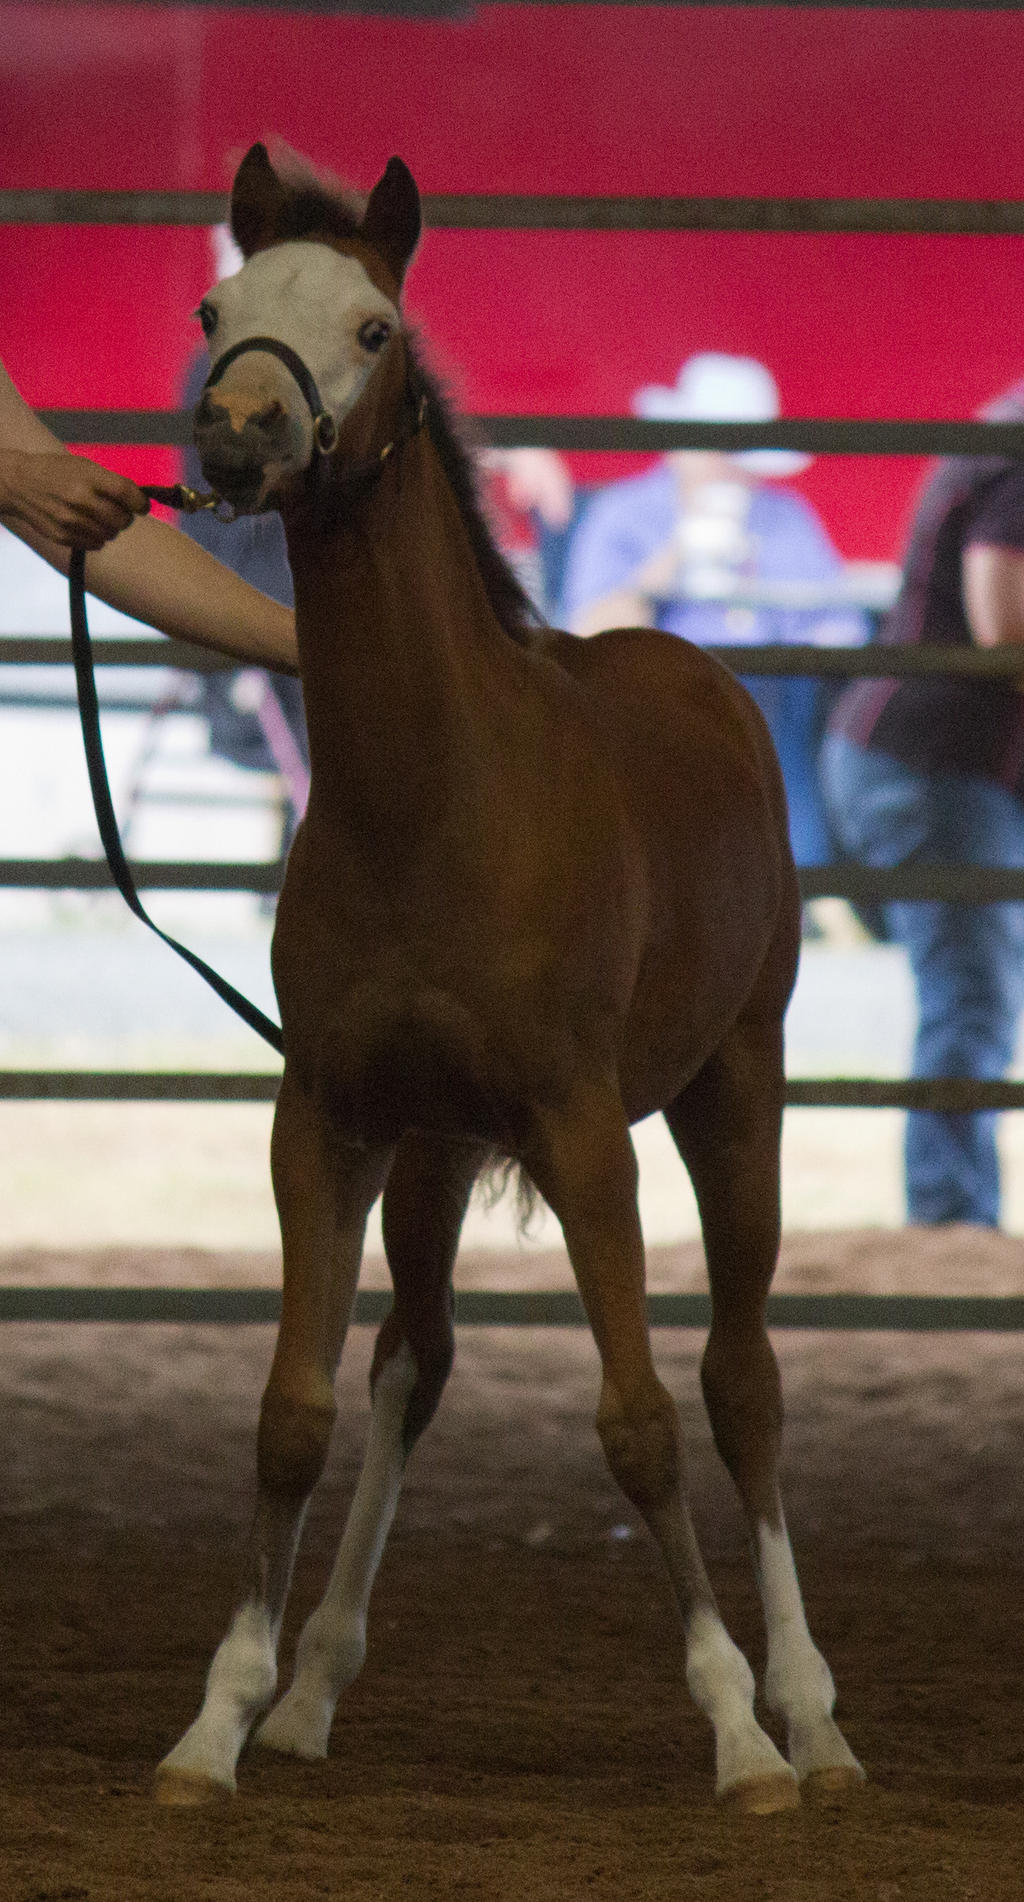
column 522, row 1728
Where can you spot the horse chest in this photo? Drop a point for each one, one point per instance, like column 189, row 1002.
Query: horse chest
column 416, row 1001
column 393, row 1034
column 385, row 1059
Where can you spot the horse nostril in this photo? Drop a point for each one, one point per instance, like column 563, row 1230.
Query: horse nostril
column 207, row 410
column 268, row 416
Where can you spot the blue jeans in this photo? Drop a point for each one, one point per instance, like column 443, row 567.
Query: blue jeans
column 967, row 960
column 793, row 710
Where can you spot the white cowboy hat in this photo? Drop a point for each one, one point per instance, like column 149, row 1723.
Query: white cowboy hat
column 713, row 388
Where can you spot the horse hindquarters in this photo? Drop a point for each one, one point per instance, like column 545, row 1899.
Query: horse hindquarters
column 727, row 1127
column 325, row 1189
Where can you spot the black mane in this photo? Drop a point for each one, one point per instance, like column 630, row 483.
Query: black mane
column 311, row 204
column 505, row 592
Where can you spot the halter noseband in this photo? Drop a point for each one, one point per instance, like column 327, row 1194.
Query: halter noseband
column 325, row 429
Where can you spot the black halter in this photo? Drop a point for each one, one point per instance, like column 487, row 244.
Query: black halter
column 325, row 429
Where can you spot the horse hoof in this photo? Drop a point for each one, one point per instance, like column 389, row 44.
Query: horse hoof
column 763, row 1796
column 186, row 1789
column 833, row 1785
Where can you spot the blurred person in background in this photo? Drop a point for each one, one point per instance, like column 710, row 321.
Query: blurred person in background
column 535, row 505
column 711, row 546
column 931, row 771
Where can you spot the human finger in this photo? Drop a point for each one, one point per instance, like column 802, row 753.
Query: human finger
column 120, row 492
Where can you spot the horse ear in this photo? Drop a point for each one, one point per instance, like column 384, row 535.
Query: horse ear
column 257, row 197
column 392, row 220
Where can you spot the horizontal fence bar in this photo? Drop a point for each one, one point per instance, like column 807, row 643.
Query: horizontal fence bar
column 873, row 661
column 876, row 660
column 950, row 1095
column 468, row 9
column 139, row 1086
column 956, row 1095
column 155, row 875
column 45, row 207
column 110, row 650
column 946, row 884
column 819, row 436
column 913, row 1314
column 57, row 702
column 546, row 211
column 860, row 884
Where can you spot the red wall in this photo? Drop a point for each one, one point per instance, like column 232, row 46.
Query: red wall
column 746, row 101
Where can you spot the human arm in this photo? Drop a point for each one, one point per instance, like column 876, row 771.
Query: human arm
column 149, row 570
column 623, row 557
column 635, row 603
column 993, row 593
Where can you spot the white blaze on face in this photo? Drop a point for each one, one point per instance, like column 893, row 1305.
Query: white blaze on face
column 318, row 302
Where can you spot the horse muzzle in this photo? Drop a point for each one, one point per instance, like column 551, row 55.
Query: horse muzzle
column 243, row 458
column 248, row 452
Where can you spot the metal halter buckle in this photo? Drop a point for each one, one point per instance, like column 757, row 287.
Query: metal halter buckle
column 196, row 502
column 325, row 432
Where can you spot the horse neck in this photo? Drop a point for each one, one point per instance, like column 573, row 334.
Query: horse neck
column 400, row 652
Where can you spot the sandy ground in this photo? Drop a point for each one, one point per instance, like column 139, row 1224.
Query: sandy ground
column 522, row 1726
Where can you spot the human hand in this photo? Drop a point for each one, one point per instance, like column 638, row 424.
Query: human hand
column 66, row 499
column 658, row 577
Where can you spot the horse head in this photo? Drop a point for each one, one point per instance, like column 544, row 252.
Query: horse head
column 308, row 357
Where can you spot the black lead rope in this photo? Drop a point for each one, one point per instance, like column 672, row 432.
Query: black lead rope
column 103, row 805
column 179, row 497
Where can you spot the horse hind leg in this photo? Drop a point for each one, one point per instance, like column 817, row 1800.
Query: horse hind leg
column 585, row 1167
column 424, row 1205
column 727, row 1127
column 324, row 1193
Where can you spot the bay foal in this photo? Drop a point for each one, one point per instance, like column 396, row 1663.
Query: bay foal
column 543, row 888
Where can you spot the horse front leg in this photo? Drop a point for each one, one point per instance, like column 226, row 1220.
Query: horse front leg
column 584, row 1164
column 324, row 1190
column 424, row 1204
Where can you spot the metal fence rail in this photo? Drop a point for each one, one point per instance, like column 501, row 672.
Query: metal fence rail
column 462, row 9
column 531, row 211
column 955, row 1095
column 836, row 663
column 172, row 428
column 859, row 884
column 247, row 1307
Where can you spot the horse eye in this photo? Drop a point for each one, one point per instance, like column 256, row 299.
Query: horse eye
column 374, row 334
column 208, row 318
